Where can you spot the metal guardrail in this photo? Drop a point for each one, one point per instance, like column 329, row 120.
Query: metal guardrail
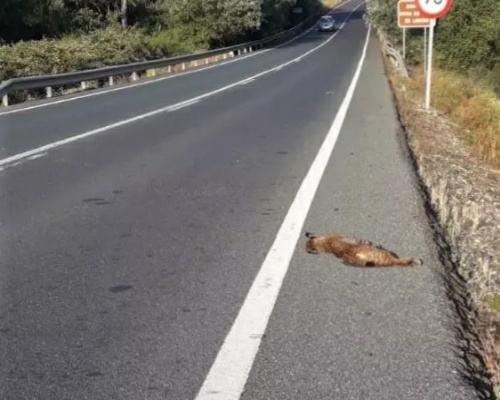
column 393, row 54
column 109, row 72
column 397, row 59
column 389, row 50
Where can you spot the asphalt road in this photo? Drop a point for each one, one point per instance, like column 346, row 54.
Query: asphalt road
column 127, row 255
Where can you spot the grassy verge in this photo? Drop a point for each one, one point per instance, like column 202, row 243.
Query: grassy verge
column 475, row 109
column 457, row 154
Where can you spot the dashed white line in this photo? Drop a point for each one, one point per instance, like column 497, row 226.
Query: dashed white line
column 171, row 107
column 148, row 82
column 229, row 372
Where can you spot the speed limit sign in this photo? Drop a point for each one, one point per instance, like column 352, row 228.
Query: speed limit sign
column 434, row 8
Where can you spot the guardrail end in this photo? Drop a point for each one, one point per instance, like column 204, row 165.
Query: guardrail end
column 5, row 100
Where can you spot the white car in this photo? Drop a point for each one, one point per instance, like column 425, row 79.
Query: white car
column 326, row 24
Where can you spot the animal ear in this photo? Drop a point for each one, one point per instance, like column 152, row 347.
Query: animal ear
column 310, row 235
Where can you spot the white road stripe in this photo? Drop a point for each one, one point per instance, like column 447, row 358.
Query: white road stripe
column 172, row 107
column 182, row 105
column 247, row 81
column 228, row 375
column 148, row 82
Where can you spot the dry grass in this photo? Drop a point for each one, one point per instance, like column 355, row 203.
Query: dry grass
column 476, row 109
column 329, row 4
column 458, row 158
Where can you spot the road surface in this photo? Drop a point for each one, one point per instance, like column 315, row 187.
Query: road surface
column 135, row 223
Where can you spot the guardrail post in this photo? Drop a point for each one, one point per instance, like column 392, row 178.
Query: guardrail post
column 84, row 85
column 5, row 100
column 206, row 61
column 169, row 69
column 111, row 81
column 48, row 92
column 134, row 76
column 183, row 67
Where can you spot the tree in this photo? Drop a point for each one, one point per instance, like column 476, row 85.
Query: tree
column 123, row 13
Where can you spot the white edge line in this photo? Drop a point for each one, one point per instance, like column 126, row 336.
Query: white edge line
column 154, row 80
column 171, row 107
column 229, row 372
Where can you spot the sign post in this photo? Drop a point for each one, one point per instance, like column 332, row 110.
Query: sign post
column 432, row 9
column 425, row 51
column 404, row 44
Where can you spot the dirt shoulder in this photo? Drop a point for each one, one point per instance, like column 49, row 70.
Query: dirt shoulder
column 462, row 190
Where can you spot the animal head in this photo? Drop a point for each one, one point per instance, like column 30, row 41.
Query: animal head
column 311, row 247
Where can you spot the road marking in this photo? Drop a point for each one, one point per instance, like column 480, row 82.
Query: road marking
column 229, row 372
column 172, row 107
column 148, row 82
column 247, row 81
column 182, row 105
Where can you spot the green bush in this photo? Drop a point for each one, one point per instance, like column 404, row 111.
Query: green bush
column 177, row 41
column 104, row 47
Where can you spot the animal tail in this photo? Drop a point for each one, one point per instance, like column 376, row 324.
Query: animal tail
column 416, row 262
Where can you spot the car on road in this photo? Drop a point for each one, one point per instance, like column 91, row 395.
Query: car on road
column 326, row 24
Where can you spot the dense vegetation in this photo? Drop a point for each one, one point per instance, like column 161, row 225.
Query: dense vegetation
column 47, row 36
column 467, row 40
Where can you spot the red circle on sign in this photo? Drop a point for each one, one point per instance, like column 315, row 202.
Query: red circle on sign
column 440, row 14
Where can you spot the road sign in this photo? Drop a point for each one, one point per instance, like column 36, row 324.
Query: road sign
column 434, row 8
column 409, row 16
